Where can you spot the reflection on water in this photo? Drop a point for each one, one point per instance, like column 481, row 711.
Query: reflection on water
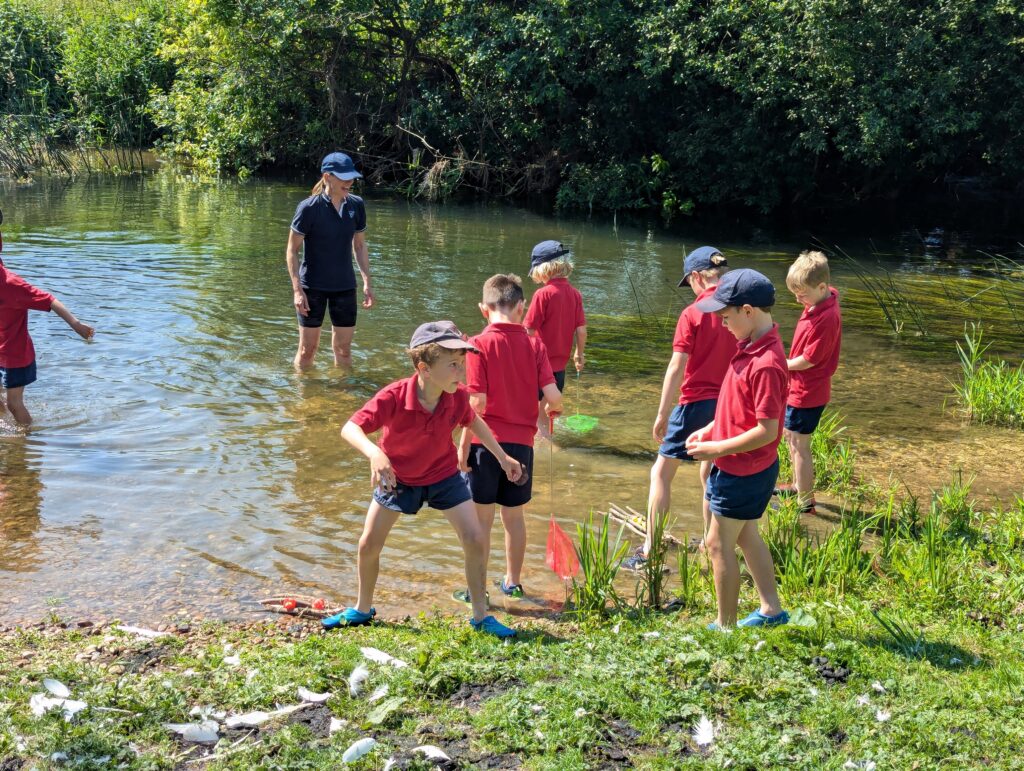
column 180, row 465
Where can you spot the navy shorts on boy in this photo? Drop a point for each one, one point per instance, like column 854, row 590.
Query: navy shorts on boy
column 341, row 305
column 488, row 483
column 409, row 499
column 559, row 381
column 803, row 420
column 684, row 420
column 17, row 377
column 736, row 497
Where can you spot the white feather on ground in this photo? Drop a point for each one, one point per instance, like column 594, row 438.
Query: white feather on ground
column 357, row 749
column 357, row 678
column 313, row 698
column 704, row 732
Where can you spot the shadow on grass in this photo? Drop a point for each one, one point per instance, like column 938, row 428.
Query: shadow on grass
column 942, row 655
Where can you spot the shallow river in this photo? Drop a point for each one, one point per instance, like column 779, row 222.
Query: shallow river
column 180, row 465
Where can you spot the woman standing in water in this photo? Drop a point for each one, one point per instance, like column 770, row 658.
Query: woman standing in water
column 328, row 228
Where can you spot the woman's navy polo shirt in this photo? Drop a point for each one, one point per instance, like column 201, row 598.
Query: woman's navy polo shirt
column 327, row 239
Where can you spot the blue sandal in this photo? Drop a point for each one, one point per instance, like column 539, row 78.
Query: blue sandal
column 757, row 618
column 349, row 617
column 491, row 625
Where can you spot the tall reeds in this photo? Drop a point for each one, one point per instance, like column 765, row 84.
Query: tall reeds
column 599, row 554
column 989, row 391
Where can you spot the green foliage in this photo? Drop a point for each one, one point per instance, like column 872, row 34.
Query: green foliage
column 599, row 555
column 990, row 391
column 831, row 452
column 654, row 574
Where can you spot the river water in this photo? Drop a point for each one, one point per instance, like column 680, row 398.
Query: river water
column 180, row 465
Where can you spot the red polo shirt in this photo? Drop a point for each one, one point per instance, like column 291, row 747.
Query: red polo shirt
column 17, row 298
column 817, row 337
column 510, row 369
column 418, row 443
column 709, row 347
column 754, row 389
column 555, row 311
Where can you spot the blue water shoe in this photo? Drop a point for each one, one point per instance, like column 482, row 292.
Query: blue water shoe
column 757, row 618
column 491, row 625
column 349, row 617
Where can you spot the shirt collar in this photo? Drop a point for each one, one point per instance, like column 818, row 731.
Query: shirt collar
column 323, row 194
column 763, row 342
column 412, row 401
column 558, row 280
column 828, row 302
column 506, row 326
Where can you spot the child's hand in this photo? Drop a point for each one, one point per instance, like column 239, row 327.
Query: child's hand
column 463, row 459
column 381, row 473
column 551, row 411
column 579, row 360
column 703, row 450
column 697, row 436
column 660, row 427
column 84, row 330
column 512, row 468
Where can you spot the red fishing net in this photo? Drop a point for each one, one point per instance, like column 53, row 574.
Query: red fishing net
column 561, row 556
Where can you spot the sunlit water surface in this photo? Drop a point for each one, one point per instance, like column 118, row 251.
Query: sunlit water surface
column 180, row 465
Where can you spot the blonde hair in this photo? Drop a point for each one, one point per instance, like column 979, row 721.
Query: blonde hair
column 716, row 272
column 560, row 267
column 503, row 290
column 807, row 271
column 429, row 353
column 320, row 186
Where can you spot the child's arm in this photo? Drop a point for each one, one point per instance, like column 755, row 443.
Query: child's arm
column 799, row 364
column 581, row 342
column 763, row 433
column 513, row 470
column 552, row 400
column 381, row 472
column 669, row 393
column 83, row 330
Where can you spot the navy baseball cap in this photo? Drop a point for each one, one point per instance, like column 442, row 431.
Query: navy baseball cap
column 546, row 251
column 740, row 287
column 444, row 333
column 340, row 165
column 702, row 258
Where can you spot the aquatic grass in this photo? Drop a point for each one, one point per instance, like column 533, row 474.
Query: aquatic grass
column 904, row 636
column 831, row 452
column 650, row 592
column 689, row 577
column 599, row 555
column 990, row 391
column 898, row 308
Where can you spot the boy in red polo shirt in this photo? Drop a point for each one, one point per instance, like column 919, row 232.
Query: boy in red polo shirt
column 503, row 379
column 813, row 359
column 743, row 442
column 701, row 351
column 556, row 312
column 17, row 354
column 416, row 463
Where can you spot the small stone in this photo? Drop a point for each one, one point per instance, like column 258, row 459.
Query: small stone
column 116, row 669
column 84, row 624
column 184, row 628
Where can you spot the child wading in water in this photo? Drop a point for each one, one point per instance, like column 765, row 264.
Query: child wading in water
column 503, row 379
column 556, row 314
column 17, row 354
column 813, row 359
column 416, row 464
column 743, row 442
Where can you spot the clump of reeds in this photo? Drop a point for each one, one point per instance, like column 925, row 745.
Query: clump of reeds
column 990, row 391
column 654, row 574
column 599, row 554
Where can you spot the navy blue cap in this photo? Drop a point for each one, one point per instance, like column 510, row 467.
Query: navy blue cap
column 740, row 287
column 443, row 333
column 701, row 259
column 546, row 251
column 340, row 165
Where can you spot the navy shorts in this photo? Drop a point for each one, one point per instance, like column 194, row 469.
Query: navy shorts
column 738, row 497
column 341, row 305
column 489, row 484
column 803, row 420
column 409, row 499
column 16, row 377
column 559, row 381
column 684, row 420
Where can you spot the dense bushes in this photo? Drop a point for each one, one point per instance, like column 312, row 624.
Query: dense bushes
column 621, row 104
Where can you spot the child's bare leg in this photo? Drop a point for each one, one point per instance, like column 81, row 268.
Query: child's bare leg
column 515, row 543
column 464, row 519
column 721, row 546
column 705, row 472
column 309, row 339
column 485, row 517
column 759, row 562
column 803, row 465
column 379, row 522
column 659, row 499
column 16, row 406
column 341, row 344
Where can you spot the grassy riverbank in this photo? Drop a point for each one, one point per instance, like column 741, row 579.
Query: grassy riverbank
column 904, row 653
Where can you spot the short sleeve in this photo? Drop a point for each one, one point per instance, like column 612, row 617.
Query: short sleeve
column 822, row 340
column 545, row 375
column 464, row 414
column 535, row 313
column 682, row 342
column 360, row 218
column 303, row 219
column 22, row 295
column 769, row 387
column 476, row 373
column 581, row 319
column 376, row 412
